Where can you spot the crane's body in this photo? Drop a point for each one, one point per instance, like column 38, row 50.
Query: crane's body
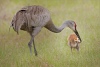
column 33, row 18
column 30, row 16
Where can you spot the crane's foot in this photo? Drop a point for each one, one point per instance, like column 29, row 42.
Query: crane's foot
column 35, row 52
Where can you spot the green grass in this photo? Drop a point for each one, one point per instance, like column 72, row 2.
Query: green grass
column 52, row 48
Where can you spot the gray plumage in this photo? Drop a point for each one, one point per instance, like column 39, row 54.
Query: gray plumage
column 33, row 18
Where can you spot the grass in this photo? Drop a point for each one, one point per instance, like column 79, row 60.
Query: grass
column 52, row 48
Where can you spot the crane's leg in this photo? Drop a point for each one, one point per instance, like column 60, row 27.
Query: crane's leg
column 30, row 44
column 33, row 34
column 35, row 51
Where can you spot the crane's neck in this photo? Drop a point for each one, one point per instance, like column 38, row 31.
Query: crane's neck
column 59, row 29
column 50, row 26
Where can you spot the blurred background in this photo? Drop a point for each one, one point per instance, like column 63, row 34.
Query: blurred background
column 53, row 50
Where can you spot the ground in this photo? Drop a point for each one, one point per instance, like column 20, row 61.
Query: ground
column 53, row 50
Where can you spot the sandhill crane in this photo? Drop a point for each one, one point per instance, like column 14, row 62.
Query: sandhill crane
column 33, row 18
column 73, row 41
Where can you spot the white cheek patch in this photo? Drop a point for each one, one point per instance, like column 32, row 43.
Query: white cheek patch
column 73, row 28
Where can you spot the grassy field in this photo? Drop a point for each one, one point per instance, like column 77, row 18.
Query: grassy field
column 52, row 48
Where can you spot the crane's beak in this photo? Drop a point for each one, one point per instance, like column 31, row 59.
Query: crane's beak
column 76, row 32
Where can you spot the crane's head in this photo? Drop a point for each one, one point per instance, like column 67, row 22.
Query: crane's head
column 72, row 25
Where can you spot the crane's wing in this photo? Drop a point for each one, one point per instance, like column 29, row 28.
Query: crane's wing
column 18, row 20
